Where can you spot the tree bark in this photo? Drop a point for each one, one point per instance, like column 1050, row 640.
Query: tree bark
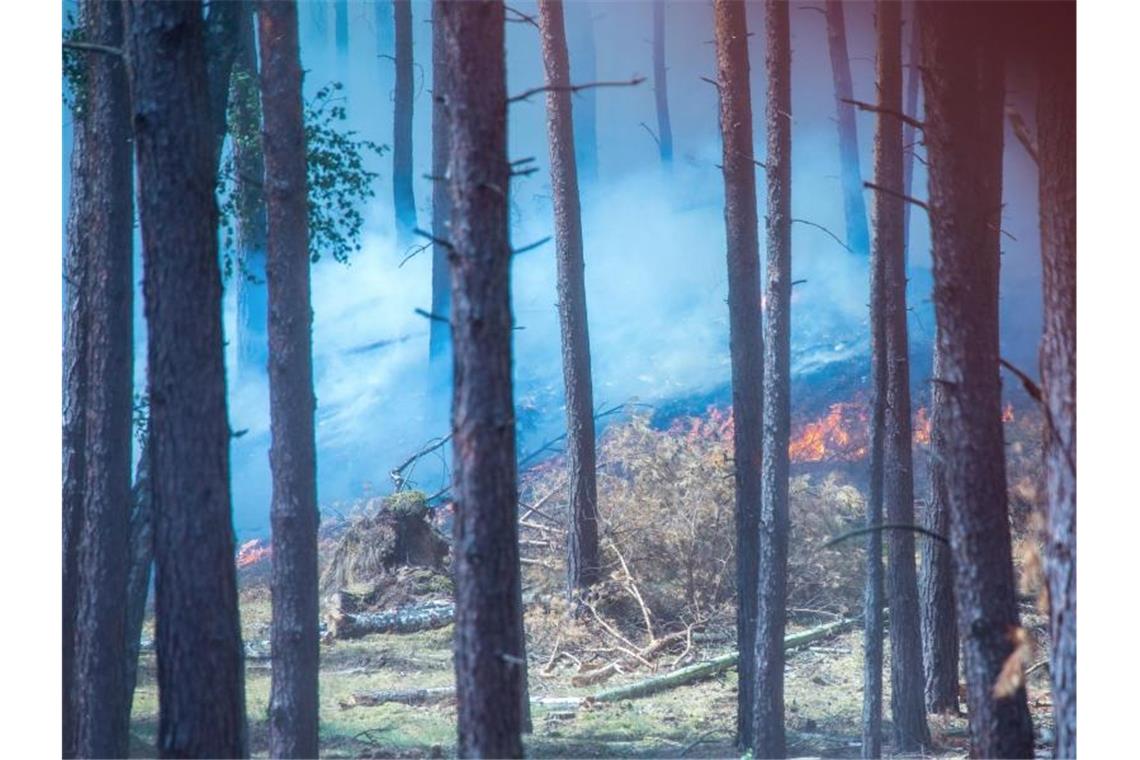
column 936, row 580
column 295, row 641
column 854, row 207
column 98, row 400
column 910, row 143
column 490, row 653
column 249, row 171
column 908, row 709
column 768, row 721
column 403, row 191
column 582, row 562
column 964, row 90
column 1057, row 152
column 661, row 87
column 873, row 591
column 202, row 695
column 439, row 348
column 745, row 338
column 584, row 68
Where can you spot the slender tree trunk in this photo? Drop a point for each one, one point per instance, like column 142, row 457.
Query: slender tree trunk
column 340, row 12
column 854, row 207
column 936, row 580
column 745, row 337
column 910, row 143
column 661, row 87
column 908, row 708
column 873, row 591
column 292, row 456
column 490, row 651
column 249, row 170
column 1057, row 153
column 440, row 338
column 198, row 637
column 141, row 558
column 768, row 722
column 223, row 41
column 97, row 431
column 964, row 87
column 584, row 68
column 582, row 562
column 404, row 193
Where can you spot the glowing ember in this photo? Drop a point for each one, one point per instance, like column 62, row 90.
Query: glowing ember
column 252, row 552
column 1007, row 413
column 922, row 427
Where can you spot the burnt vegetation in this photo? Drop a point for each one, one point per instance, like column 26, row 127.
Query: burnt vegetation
column 356, row 509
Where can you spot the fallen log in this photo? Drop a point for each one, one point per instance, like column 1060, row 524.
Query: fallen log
column 354, row 625
column 635, row 690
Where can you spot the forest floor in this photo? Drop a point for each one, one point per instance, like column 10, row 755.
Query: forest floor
column 823, row 703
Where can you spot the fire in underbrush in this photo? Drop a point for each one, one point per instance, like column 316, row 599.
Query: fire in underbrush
column 252, row 552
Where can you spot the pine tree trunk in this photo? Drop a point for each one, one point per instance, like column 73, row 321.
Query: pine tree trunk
column 440, row 337
column 1057, row 153
column 768, row 720
column 584, row 69
column 97, row 432
column 854, row 207
column 249, row 171
column 873, row 591
column 908, row 708
column 403, row 191
column 661, row 86
column 490, row 651
column 745, row 337
column 964, row 87
column 340, row 13
column 910, row 143
column 292, row 456
column 198, row 638
column 582, row 562
column 936, row 579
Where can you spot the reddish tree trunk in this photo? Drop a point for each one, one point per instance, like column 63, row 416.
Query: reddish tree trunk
column 1057, row 154
column 963, row 77
column 292, row 456
column 745, row 337
column 198, row 636
column 908, row 707
column 490, row 650
column 768, row 719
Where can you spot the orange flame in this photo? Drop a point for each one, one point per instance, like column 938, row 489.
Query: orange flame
column 1007, row 412
column 840, row 435
column 922, row 427
column 252, row 552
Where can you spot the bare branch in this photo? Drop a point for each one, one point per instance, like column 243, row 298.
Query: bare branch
column 713, row 82
column 1032, row 388
column 532, row 246
column 651, row 133
column 885, row 526
column 573, row 88
column 887, row 191
column 1021, row 132
column 93, row 47
column 872, row 108
column 520, row 17
column 434, row 317
column 437, row 241
column 829, row 232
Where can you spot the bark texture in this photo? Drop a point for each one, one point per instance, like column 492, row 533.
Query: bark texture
column 403, row 192
column 964, row 89
column 661, row 86
column 910, row 143
column 582, row 563
column 98, row 386
column 908, row 708
column 439, row 348
column 745, row 338
column 936, row 579
column 490, row 651
column 768, row 720
column 873, row 591
column 1057, row 152
column 292, row 455
column 198, row 637
column 854, row 207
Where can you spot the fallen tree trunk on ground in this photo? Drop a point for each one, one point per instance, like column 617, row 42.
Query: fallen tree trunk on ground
column 353, row 625
column 635, row 690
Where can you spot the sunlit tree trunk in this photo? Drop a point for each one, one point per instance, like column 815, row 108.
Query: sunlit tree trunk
column 908, row 707
column 490, row 650
column 440, row 337
column 854, row 207
column 768, row 720
column 963, row 78
column 98, row 384
column 402, row 186
column 1057, row 154
column 661, row 86
column 745, row 337
column 292, row 455
column 198, row 636
column 582, row 564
